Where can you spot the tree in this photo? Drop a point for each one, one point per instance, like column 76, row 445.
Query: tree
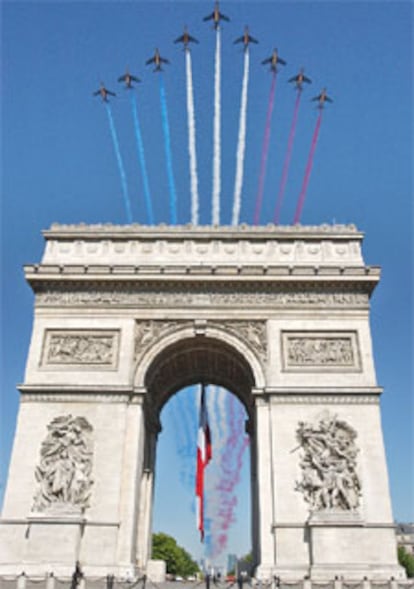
column 406, row 560
column 178, row 560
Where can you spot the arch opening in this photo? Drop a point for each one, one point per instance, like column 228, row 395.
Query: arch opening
column 198, row 360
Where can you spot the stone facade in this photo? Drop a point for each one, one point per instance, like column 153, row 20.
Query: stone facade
column 124, row 317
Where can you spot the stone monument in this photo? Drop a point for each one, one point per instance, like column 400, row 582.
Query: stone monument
column 125, row 316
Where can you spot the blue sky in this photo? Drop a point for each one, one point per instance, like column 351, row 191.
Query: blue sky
column 58, row 162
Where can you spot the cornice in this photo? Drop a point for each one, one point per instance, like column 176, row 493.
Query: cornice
column 163, row 231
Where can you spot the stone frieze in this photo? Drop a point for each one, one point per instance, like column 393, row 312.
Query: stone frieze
column 80, row 347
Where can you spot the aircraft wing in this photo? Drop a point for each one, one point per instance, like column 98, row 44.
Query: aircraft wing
column 96, row 93
column 122, row 78
column 224, row 17
column 164, row 60
column 253, row 40
column 193, row 39
column 179, row 39
column 110, row 93
column 305, row 79
column 150, row 60
column 328, row 99
column 282, row 61
column 135, row 79
column 268, row 60
column 239, row 40
column 209, row 17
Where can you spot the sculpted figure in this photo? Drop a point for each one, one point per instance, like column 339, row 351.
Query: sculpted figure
column 64, row 471
column 329, row 479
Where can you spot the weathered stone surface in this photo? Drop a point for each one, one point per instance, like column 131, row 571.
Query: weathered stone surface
column 124, row 317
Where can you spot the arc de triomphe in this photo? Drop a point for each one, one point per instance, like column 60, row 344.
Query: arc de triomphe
column 125, row 316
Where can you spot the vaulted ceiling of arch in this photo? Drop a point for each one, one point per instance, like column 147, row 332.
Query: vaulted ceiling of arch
column 196, row 360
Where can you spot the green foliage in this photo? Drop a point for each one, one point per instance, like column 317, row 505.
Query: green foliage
column 406, row 560
column 177, row 559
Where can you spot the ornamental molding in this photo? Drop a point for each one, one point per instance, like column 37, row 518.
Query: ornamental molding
column 149, row 331
column 122, row 399
column 233, row 294
column 64, row 472
column 74, row 348
column 254, row 333
column 329, row 481
column 325, row 351
column 313, row 399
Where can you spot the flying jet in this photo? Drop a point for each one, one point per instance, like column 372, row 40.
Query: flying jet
column 157, row 60
column 104, row 92
column 274, row 59
column 299, row 79
column 322, row 98
column 246, row 38
column 216, row 16
column 185, row 39
column 128, row 79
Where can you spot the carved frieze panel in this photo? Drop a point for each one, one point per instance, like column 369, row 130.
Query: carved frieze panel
column 64, row 472
column 149, row 295
column 314, row 351
column 80, row 348
column 328, row 464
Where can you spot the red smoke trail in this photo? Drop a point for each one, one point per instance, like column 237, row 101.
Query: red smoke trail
column 265, row 151
column 302, row 194
column 287, row 160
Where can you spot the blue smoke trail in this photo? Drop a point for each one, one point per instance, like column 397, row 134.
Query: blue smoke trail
column 168, row 152
column 120, row 164
column 141, row 155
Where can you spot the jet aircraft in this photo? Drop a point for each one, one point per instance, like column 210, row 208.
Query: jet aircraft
column 322, row 98
column 128, row 79
column 216, row 16
column 274, row 59
column 104, row 92
column 246, row 38
column 157, row 60
column 299, row 79
column 185, row 39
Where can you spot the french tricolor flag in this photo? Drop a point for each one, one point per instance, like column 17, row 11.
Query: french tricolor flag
column 204, row 454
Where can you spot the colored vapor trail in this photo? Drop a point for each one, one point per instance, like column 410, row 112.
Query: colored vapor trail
column 168, row 152
column 192, row 141
column 216, row 134
column 120, row 163
column 241, row 148
column 308, row 170
column 141, row 155
column 265, row 151
column 286, row 164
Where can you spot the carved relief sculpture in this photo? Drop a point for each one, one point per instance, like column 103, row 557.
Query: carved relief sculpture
column 329, row 478
column 64, row 472
column 330, row 350
column 76, row 347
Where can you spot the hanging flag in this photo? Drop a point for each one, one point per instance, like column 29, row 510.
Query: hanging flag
column 204, row 454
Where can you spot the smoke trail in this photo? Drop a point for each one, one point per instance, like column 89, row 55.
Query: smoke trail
column 217, row 146
column 191, row 140
column 168, row 152
column 141, row 155
column 287, row 159
column 120, row 163
column 308, row 170
column 265, row 151
column 241, row 142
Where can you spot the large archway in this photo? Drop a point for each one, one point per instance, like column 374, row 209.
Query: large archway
column 186, row 358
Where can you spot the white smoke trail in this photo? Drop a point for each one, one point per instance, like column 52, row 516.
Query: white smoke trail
column 216, row 140
column 241, row 147
column 191, row 140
